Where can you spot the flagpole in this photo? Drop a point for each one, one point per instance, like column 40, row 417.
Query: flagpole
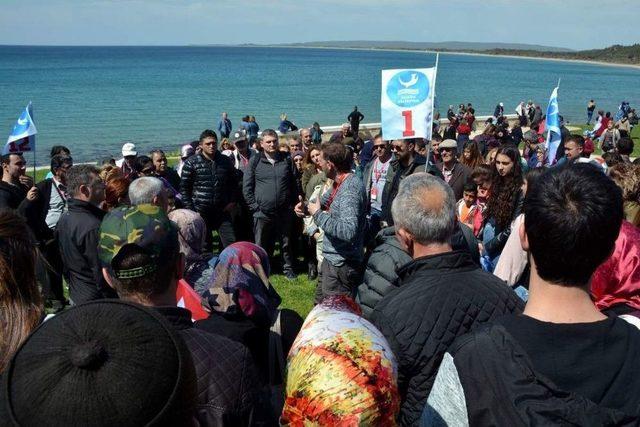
column 34, row 145
column 433, row 98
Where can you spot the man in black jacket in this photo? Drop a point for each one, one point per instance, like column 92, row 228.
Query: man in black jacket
column 562, row 362
column 145, row 270
column 209, row 187
column 43, row 215
column 16, row 186
column 78, row 235
column 269, row 190
column 388, row 257
column 443, row 293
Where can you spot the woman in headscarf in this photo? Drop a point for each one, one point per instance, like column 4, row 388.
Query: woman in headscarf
column 245, row 306
column 340, row 371
column 186, row 151
column 615, row 285
column 191, row 235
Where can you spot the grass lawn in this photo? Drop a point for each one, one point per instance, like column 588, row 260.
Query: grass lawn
column 297, row 295
column 635, row 136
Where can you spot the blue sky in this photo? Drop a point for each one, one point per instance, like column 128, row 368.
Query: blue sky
column 577, row 24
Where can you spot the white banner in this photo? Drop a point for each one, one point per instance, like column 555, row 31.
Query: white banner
column 406, row 106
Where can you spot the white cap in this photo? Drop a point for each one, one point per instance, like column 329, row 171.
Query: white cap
column 129, row 149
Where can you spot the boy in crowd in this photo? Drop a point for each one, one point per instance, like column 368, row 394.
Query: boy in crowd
column 465, row 208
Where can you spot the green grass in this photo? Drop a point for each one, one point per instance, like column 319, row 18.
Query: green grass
column 635, row 136
column 297, row 295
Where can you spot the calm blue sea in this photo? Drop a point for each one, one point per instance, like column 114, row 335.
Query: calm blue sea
column 92, row 98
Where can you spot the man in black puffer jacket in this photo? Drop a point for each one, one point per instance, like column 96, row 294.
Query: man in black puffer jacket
column 442, row 295
column 381, row 275
column 270, row 192
column 209, row 186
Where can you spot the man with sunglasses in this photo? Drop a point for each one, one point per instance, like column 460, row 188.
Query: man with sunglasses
column 406, row 162
column 455, row 174
column 375, row 177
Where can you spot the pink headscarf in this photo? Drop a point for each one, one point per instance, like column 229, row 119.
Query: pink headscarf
column 617, row 280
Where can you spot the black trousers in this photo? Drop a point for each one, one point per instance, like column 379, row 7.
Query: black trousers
column 268, row 229
column 220, row 222
column 343, row 280
column 51, row 271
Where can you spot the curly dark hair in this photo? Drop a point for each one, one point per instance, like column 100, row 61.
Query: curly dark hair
column 505, row 189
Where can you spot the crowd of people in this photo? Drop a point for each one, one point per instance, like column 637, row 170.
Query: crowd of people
column 464, row 280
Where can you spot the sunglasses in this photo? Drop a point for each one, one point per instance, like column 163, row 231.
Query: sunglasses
column 442, row 150
column 377, row 147
column 397, row 148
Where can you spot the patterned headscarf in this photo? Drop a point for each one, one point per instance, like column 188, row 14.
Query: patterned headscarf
column 192, row 232
column 240, row 283
column 340, row 371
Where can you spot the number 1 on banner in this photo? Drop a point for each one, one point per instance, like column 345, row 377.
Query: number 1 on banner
column 408, row 123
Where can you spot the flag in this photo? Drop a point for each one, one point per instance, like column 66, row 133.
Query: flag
column 189, row 299
column 553, row 127
column 407, row 103
column 22, row 137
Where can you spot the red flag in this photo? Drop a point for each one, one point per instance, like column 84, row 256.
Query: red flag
column 189, row 299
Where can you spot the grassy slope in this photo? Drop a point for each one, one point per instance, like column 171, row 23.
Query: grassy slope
column 635, row 136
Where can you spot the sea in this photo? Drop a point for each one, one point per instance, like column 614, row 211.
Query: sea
column 91, row 99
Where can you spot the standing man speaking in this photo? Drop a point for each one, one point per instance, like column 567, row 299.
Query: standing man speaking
column 340, row 213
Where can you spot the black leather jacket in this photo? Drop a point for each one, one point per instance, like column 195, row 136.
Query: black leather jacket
column 206, row 185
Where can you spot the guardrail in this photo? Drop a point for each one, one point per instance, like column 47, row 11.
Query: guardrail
column 374, row 128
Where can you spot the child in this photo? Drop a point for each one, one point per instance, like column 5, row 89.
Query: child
column 467, row 205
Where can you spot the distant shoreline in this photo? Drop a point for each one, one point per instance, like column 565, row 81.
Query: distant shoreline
column 538, row 58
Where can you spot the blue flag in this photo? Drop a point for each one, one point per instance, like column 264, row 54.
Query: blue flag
column 22, row 137
column 553, row 127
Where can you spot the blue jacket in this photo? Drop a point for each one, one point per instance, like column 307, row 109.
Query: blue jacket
column 225, row 126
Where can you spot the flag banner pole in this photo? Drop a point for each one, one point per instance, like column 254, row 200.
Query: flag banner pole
column 433, row 88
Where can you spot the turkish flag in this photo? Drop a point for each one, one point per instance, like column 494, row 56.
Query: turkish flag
column 189, row 299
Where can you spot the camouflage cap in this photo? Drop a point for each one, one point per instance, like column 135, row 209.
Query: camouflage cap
column 146, row 226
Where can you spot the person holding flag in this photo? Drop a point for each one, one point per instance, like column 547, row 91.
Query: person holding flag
column 16, row 186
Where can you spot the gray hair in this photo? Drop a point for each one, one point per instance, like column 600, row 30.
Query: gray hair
column 80, row 175
column 428, row 219
column 144, row 190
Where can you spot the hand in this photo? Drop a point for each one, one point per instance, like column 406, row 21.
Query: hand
column 480, row 248
column 299, row 208
column 32, row 194
column 26, row 180
column 314, row 206
column 230, row 206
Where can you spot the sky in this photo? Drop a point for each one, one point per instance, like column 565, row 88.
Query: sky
column 574, row 24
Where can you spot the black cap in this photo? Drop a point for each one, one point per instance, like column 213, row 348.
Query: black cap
column 103, row 363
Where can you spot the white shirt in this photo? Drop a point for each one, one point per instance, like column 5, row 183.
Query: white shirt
column 57, row 205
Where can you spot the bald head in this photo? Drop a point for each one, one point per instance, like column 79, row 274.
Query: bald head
column 425, row 208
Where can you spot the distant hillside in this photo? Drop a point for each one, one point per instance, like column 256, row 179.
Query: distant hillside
column 450, row 45
column 615, row 54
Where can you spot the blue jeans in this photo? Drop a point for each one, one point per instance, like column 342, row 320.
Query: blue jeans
column 489, row 232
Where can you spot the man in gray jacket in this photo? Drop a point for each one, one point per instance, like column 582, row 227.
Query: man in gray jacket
column 269, row 190
column 340, row 213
